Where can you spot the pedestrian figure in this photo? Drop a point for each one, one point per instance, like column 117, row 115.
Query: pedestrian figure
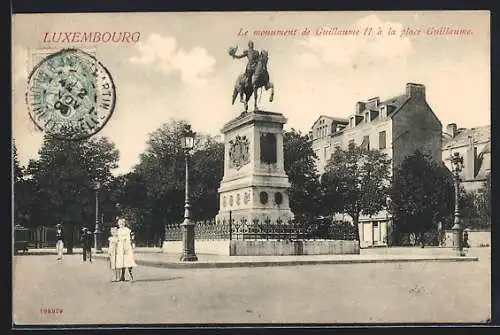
column 412, row 239
column 59, row 242
column 113, row 242
column 124, row 252
column 466, row 239
column 132, row 238
column 86, row 239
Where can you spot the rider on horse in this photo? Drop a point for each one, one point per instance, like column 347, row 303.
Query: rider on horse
column 253, row 58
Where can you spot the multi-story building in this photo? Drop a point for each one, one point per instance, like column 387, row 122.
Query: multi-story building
column 474, row 145
column 397, row 126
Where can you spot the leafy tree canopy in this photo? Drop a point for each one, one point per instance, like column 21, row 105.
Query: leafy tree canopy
column 356, row 181
column 300, row 166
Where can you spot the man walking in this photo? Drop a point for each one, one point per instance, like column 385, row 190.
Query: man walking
column 86, row 239
column 59, row 242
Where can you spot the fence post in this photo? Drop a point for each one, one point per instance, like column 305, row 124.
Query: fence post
column 230, row 226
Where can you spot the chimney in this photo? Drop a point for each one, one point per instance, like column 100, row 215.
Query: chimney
column 360, row 107
column 415, row 90
column 470, row 160
column 451, row 129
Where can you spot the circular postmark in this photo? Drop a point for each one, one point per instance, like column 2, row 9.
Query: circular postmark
column 70, row 95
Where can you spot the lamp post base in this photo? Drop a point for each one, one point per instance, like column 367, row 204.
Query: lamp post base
column 189, row 254
column 189, row 258
column 97, row 242
column 457, row 240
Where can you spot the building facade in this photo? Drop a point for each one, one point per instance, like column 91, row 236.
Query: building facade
column 397, row 126
column 474, row 145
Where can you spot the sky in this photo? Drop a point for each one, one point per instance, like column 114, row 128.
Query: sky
column 180, row 67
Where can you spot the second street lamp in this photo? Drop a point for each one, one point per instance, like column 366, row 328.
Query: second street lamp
column 97, row 240
column 188, row 238
column 457, row 164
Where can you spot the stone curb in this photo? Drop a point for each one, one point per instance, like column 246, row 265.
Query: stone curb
column 239, row 264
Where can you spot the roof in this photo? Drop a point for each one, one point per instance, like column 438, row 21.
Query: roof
column 338, row 119
column 486, row 149
column 478, row 134
column 397, row 102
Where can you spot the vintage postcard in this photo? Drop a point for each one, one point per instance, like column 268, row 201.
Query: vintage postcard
column 251, row 167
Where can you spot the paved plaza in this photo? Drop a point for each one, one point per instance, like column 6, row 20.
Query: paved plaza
column 73, row 292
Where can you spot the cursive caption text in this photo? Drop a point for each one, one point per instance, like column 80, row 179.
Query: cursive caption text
column 358, row 32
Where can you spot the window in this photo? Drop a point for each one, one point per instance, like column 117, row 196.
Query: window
column 351, row 144
column 383, row 112
column 366, row 142
column 367, row 116
column 382, row 140
column 324, row 153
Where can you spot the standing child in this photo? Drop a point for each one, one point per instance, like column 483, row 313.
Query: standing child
column 113, row 241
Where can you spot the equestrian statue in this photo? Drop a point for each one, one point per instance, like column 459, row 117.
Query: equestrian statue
column 254, row 77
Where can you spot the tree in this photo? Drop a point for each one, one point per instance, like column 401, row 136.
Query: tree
column 63, row 178
column 207, row 171
column 356, row 181
column 422, row 195
column 155, row 189
column 22, row 190
column 475, row 207
column 300, row 166
column 17, row 168
column 484, row 202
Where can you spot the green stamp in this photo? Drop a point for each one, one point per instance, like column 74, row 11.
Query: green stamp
column 70, row 95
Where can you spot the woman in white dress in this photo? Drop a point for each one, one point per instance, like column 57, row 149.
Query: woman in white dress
column 112, row 248
column 124, row 252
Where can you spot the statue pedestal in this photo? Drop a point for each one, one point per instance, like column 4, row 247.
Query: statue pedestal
column 255, row 185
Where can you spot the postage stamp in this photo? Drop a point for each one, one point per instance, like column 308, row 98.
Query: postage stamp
column 70, row 95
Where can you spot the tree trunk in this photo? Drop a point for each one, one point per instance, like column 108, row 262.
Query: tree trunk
column 355, row 220
column 70, row 238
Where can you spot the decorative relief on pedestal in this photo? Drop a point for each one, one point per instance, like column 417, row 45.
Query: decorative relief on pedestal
column 278, row 198
column 246, row 197
column 237, row 199
column 224, row 202
column 231, row 201
column 268, row 148
column 263, row 197
column 239, row 152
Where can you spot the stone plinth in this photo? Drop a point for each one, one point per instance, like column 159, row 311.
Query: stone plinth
column 255, row 185
column 295, row 248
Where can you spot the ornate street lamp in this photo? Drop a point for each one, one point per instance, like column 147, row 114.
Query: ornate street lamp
column 457, row 163
column 189, row 254
column 97, row 241
column 388, row 227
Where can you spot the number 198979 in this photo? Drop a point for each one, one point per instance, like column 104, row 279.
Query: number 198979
column 51, row 310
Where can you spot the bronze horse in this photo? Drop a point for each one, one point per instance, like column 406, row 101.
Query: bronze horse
column 260, row 79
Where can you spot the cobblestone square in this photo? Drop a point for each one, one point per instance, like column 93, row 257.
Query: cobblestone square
column 73, row 292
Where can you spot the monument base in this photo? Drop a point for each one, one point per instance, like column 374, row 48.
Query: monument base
column 255, row 185
column 256, row 215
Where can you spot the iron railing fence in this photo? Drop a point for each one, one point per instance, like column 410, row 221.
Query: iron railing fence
column 45, row 236
column 266, row 230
